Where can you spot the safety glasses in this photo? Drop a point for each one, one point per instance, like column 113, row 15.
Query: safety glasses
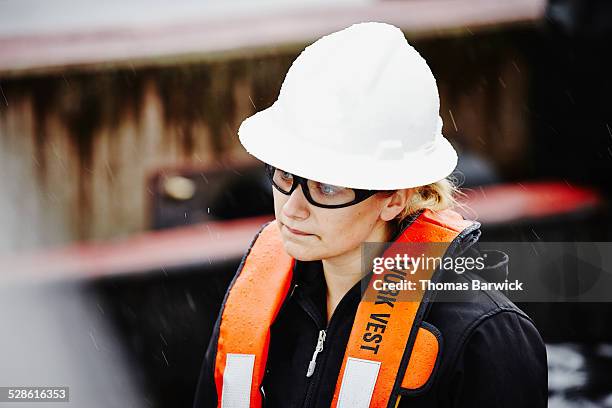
column 318, row 194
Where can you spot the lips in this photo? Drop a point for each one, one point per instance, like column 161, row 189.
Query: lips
column 296, row 232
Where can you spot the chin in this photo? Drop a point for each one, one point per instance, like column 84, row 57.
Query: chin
column 299, row 252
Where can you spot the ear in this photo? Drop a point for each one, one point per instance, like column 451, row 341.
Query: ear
column 395, row 203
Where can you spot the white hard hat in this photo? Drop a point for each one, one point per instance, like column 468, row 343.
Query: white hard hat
column 358, row 108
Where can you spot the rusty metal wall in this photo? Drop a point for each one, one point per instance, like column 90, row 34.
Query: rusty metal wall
column 76, row 148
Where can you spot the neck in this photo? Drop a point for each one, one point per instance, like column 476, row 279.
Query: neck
column 342, row 272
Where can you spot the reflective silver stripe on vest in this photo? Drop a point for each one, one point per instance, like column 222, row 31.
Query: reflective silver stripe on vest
column 237, row 379
column 358, row 383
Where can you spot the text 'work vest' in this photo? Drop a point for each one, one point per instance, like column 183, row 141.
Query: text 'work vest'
column 402, row 356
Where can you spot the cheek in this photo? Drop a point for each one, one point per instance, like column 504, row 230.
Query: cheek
column 347, row 230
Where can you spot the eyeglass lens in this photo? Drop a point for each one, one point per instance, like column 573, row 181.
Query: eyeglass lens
column 321, row 193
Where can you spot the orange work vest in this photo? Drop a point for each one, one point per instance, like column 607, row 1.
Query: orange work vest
column 404, row 357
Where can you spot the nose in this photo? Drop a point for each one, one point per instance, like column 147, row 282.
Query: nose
column 296, row 206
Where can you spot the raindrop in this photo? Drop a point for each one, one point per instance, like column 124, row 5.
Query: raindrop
column 94, row 341
column 4, row 96
column 165, row 359
column 190, row 301
column 453, row 119
column 484, row 195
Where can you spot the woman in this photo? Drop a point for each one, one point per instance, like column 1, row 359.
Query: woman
column 354, row 151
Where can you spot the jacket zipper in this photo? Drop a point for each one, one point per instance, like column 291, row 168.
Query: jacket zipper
column 316, row 374
column 318, row 349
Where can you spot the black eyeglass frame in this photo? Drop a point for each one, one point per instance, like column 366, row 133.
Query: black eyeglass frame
column 360, row 194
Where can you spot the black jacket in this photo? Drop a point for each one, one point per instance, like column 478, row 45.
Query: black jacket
column 491, row 353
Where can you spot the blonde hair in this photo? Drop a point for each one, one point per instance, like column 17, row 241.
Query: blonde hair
column 436, row 196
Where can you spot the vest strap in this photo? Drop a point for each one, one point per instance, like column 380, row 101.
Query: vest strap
column 386, row 324
column 253, row 301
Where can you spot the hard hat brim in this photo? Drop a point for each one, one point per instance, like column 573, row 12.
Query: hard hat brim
column 264, row 136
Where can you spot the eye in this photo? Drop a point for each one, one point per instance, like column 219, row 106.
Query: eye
column 329, row 189
column 286, row 175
